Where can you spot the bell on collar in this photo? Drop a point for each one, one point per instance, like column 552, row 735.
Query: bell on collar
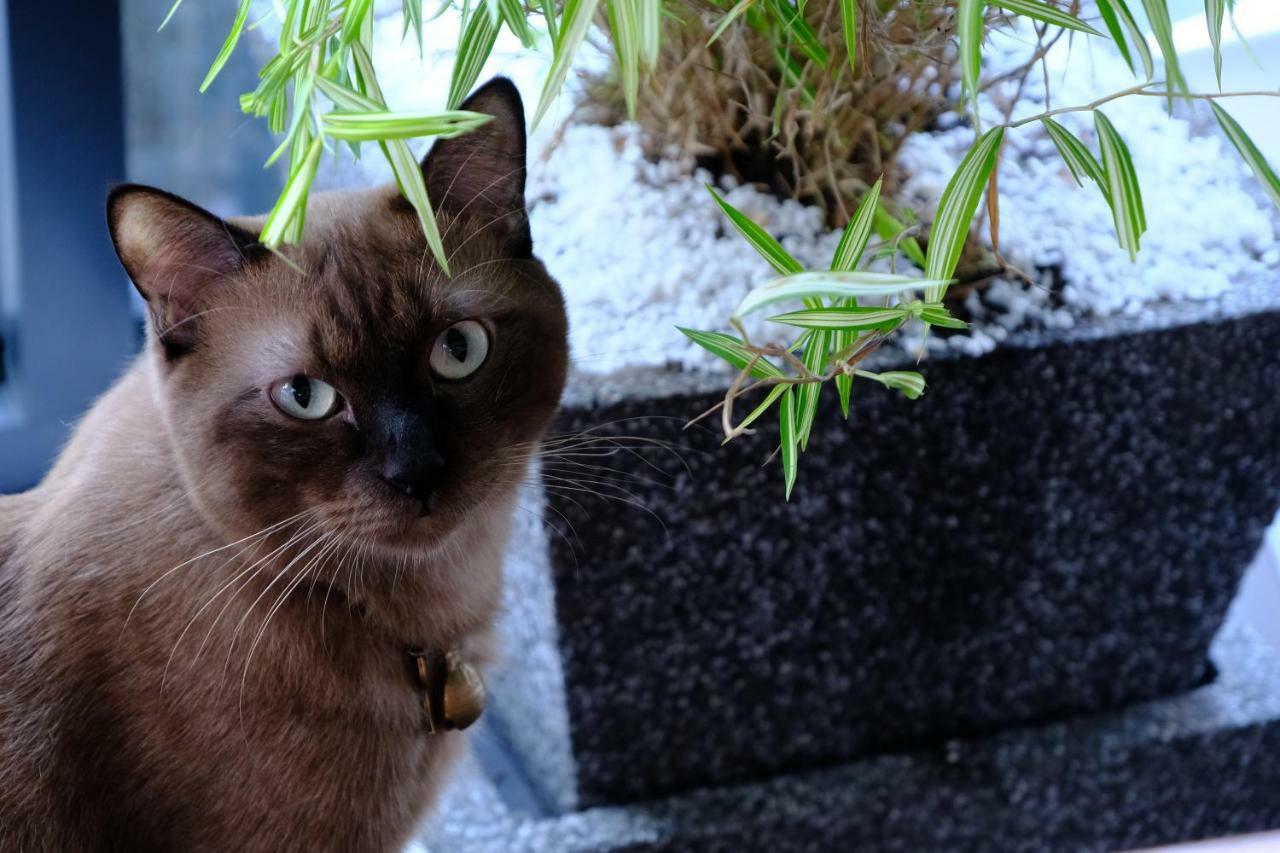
column 463, row 692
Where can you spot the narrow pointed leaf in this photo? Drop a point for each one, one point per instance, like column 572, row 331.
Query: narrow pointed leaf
column 404, row 166
column 910, row 383
column 512, row 12
column 841, row 317
column 853, row 242
column 1046, row 13
column 1120, row 21
column 956, row 208
column 476, row 39
column 624, row 27
column 1249, row 151
column 374, row 126
column 1078, row 158
column 732, row 15
column 816, row 350
column 293, row 199
column 1213, row 12
column 731, row 349
column 831, row 285
column 650, row 32
column 938, row 315
column 228, row 46
column 969, row 31
column 1162, row 29
column 574, row 23
column 788, row 437
column 802, row 35
column 1123, row 191
column 849, row 22
column 769, row 248
column 889, row 227
column 774, row 393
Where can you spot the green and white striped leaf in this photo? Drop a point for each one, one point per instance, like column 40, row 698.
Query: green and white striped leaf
column 624, row 26
column 1213, row 14
column 853, row 242
column 228, row 46
column 769, row 248
column 549, row 14
column 774, row 393
column 404, row 166
column 374, row 126
column 512, row 12
column 291, row 205
column 802, row 35
column 849, row 23
column 475, row 42
column 1120, row 22
column 889, row 227
column 353, row 20
column 574, row 23
column 732, row 15
column 1252, row 156
column 831, row 285
column 731, row 349
column 1162, row 29
column 650, row 32
column 1045, row 13
column 1078, row 158
column 969, row 31
column 955, row 213
column 1123, row 192
column 910, row 383
column 788, row 437
column 844, row 382
column 816, row 350
column 852, row 318
column 936, row 314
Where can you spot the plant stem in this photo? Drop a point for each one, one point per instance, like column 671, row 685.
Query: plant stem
column 1144, row 90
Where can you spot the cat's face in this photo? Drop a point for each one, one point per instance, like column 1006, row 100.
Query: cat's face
column 360, row 390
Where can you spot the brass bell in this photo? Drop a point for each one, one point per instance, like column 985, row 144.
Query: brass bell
column 463, row 692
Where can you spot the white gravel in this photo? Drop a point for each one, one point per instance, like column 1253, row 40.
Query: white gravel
column 640, row 247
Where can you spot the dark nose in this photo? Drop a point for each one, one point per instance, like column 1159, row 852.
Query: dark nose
column 411, row 461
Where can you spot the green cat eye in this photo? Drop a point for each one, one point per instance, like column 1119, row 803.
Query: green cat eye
column 305, row 398
column 460, row 350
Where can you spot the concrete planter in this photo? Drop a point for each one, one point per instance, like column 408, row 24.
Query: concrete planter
column 1055, row 530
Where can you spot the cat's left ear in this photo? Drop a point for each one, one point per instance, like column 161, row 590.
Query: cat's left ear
column 480, row 175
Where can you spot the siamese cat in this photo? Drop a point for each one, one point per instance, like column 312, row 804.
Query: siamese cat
column 235, row 613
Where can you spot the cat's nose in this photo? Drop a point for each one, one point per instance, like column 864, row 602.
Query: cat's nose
column 416, row 475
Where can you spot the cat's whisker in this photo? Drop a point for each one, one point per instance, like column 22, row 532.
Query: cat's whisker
column 281, row 573
column 331, row 543
column 252, row 537
column 249, row 570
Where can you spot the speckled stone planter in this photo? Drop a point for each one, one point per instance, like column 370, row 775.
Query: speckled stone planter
column 1055, row 529
column 1198, row 765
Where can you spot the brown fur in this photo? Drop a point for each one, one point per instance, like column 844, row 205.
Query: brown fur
column 172, row 680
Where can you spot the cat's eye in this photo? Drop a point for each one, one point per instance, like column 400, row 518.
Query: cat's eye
column 305, row 398
column 460, row 350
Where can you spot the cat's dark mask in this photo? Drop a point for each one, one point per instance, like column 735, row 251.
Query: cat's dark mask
column 355, row 383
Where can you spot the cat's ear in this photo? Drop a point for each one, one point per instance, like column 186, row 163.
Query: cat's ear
column 480, row 175
column 174, row 252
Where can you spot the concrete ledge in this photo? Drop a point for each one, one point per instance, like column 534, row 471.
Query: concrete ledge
column 1194, row 766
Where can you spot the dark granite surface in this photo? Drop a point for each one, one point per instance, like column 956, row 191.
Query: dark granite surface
column 1199, row 765
column 1049, row 531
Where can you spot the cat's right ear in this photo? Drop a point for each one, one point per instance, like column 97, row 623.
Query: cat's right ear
column 174, row 252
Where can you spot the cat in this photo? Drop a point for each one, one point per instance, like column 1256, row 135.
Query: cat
column 210, row 607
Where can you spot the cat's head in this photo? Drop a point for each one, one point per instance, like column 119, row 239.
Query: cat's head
column 355, row 384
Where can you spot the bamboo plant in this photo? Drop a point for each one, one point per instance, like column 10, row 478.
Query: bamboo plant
column 320, row 90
